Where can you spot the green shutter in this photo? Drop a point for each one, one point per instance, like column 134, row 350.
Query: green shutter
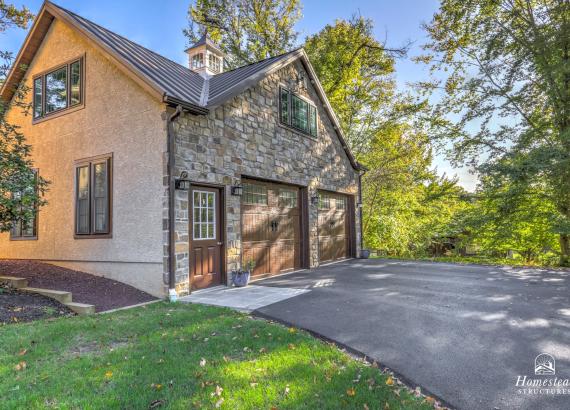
column 312, row 120
column 284, row 106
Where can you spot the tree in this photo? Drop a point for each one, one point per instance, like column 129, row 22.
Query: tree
column 20, row 187
column 500, row 222
column 506, row 94
column 246, row 30
column 356, row 72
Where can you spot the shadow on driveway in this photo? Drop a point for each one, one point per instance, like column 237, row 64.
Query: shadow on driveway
column 463, row 332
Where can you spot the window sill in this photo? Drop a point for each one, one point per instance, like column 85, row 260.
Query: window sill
column 24, row 238
column 297, row 131
column 93, row 236
column 58, row 113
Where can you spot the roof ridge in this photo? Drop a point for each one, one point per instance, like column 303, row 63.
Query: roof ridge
column 121, row 36
column 260, row 61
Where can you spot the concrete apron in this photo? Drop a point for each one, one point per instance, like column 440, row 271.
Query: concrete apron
column 246, row 299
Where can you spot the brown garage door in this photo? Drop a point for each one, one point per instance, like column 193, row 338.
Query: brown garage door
column 333, row 230
column 271, row 226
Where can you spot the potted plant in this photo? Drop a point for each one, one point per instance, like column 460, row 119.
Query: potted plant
column 240, row 278
column 364, row 253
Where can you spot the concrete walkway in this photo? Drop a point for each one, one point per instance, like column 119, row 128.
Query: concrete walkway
column 245, row 299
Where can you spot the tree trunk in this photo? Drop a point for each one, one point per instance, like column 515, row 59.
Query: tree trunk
column 564, row 250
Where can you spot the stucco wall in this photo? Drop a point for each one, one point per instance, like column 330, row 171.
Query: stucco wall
column 118, row 118
column 243, row 137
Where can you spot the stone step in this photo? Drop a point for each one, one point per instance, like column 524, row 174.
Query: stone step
column 60, row 296
column 81, row 308
column 14, row 282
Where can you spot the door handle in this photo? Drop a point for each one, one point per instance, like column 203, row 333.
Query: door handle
column 220, row 243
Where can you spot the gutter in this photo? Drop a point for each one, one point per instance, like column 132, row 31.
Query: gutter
column 172, row 295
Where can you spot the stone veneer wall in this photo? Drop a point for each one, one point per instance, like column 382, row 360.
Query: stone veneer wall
column 243, row 137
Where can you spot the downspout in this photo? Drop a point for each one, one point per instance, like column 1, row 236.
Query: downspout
column 172, row 295
column 360, row 206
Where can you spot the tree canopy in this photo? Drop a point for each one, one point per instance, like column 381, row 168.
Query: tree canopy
column 20, row 187
column 246, row 30
column 506, row 95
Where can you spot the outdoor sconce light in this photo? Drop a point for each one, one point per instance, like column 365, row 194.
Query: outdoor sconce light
column 359, row 204
column 315, row 199
column 182, row 183
column 237, row 190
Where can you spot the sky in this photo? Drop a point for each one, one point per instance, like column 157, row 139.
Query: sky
column 158, row 26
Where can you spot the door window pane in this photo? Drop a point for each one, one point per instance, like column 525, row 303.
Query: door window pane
column 56, row 90
column 254, row 194
column 204, row 218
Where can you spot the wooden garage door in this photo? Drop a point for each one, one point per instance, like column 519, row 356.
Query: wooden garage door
column 271, row 226
column 333, row 230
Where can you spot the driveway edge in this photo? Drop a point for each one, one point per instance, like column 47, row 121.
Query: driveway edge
column 356, row 354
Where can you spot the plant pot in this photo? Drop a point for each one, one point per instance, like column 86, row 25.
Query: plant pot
column 240, row 278
column 364, row 254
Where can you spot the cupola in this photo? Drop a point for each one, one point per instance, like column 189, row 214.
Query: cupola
column 205, row 57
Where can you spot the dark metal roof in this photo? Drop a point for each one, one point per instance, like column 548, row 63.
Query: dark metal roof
column 176, row 80
column 222, row 86
column 206, row 40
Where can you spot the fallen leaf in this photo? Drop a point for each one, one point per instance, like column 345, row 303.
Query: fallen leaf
column 252, row 384
column 386, row 406
column 219, row 402
column 22, row 352
column 202, row 362
column 430, row 400
column 262, row 350
column 218, row 391
column 108, row 374
column 156, row 386
column 389, row 381
column 366, row 407
column 286, row 390
column 418, row 392
column 397, row 392
column 20, row 366
column 291, row 346
column 226, row 359
column 351, row 392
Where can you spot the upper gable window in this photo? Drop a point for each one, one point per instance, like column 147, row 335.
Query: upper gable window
column 58, row 89
column 296, row 112
column 198, row 60
column 214, row 63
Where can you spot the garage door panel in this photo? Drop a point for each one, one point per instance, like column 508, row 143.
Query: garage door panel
column 271, row 226
column 332, row 226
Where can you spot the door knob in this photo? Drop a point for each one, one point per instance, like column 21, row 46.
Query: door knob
column 220, row 243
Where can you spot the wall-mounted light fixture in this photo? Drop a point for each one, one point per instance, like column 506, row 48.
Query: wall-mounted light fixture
column 315, row 199
column 237, row 190
column 359, row 204
column 182, row 183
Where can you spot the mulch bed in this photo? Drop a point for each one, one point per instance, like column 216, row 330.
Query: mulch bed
column 102, row 292
column 17, row 307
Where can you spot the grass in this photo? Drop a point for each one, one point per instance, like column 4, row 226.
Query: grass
column 184, row 356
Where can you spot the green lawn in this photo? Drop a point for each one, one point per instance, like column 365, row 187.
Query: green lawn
column 184, row 356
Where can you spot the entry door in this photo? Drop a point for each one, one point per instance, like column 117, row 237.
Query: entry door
column 205, row 238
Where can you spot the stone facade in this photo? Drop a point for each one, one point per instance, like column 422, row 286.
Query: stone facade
column 243, row 137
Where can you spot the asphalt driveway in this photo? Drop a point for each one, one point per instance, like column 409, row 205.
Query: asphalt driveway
column 465, row 333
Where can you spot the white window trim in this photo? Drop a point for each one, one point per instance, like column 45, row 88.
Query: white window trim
column 201, row 222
